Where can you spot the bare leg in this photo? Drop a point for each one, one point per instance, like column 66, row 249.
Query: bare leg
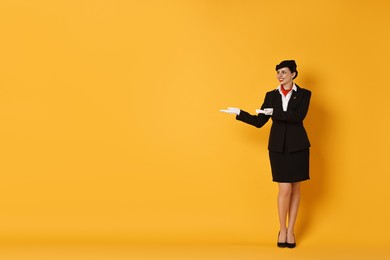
column 293, row 210
column 283, row 208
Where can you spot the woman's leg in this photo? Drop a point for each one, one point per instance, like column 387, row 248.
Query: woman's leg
column 283, row 208
column 293, row 210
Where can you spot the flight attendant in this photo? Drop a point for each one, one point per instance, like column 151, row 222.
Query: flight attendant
column 288, row 144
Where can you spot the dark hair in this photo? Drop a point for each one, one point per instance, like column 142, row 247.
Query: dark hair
column 288, row 64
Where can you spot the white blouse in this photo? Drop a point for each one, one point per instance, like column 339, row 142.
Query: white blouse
column 286, row 99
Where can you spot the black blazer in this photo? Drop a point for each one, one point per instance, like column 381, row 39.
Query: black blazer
column 287, row 130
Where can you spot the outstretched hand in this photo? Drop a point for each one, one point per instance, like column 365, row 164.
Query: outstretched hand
column 231, row 110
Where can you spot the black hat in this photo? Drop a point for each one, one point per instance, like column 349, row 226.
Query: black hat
column 289, row 64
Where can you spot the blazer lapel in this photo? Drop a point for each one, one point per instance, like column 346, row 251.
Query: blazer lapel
column 295, row 99
column 277, row 100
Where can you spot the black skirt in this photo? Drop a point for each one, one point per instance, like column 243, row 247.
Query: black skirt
column 290, row 167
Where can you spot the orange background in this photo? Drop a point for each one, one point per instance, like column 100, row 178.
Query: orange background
column 111, row 130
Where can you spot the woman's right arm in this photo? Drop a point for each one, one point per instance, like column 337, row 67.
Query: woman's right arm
column 255, row 120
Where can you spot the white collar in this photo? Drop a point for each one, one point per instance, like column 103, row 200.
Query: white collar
column 294, row 88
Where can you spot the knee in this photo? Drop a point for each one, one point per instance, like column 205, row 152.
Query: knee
column 285, row 192
column 296, row 190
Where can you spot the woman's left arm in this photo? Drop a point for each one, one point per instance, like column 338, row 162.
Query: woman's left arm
column 294, row 116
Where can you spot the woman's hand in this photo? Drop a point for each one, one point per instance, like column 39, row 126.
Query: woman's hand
column 231, row 110
column 265, row 111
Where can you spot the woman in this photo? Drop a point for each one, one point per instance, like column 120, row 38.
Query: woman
column 288, row 145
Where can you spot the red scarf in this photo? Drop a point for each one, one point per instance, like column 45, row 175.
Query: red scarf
column 284, row 91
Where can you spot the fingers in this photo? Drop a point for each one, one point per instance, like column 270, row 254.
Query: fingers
column 259, row 111
column 268, row 111
column 226, row 111
column 265, row 111
column 231, row 110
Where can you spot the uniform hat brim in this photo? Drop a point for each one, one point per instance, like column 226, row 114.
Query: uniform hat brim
column 288, row 64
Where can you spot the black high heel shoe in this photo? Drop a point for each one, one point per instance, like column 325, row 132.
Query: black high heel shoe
column 281, row 244
column 291, row 245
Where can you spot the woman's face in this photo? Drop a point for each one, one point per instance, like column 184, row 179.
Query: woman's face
column 284, row 76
